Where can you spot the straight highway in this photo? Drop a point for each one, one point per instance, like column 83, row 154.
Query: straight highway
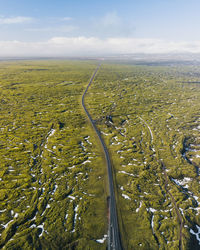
column 114, row 239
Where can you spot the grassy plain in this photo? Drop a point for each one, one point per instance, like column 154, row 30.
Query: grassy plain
column 53, row 177
column 52, row 180
column 149, row 118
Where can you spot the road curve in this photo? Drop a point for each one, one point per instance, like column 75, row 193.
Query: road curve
column 179, row 217
column 114, row 239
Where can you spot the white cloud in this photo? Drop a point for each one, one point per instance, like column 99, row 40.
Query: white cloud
column 88, row 46
column 112, row 24
column 62, row 28
column 66, row 18
column 15, row 20
column 110, row 19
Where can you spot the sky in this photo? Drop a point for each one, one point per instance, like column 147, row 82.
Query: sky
column 91, row 27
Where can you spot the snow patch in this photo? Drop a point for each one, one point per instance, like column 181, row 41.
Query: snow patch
column 87, row 161
column 124, row 172
column 102, row 240
column 7, row 224
column 75, row 217
column 196, row 234
column 104, row 133
column 71, row 197
column 1, row 211
column 42, row 227
column 182, row 182
column 152, row 210
column 126, row 197
column 137, row 210
column 87, row 140
column 54, row 190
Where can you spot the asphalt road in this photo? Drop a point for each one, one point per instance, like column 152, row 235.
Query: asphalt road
column 114, row 239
